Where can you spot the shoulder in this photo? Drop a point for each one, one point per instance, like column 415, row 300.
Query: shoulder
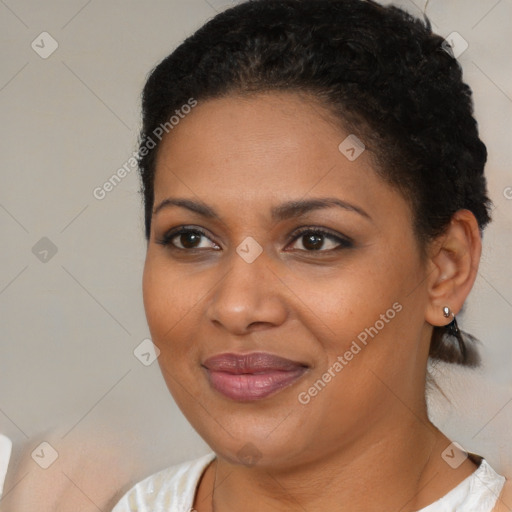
column 171, row 489
column 504, row 503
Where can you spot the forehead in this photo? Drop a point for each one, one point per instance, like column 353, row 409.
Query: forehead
column 253, row 128
column 263, row 148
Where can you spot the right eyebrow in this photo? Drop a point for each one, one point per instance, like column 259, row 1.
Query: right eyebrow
column 195, row 206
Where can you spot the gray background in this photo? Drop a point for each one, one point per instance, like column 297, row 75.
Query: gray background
column 71, row 320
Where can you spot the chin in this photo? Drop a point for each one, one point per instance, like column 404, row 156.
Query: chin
column 265, row 444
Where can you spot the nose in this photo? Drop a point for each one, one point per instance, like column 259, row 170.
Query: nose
column 250, row 296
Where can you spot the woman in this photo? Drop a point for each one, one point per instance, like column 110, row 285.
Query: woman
column 314, row 204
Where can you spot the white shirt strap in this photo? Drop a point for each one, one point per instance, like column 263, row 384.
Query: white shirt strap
column 5, row 455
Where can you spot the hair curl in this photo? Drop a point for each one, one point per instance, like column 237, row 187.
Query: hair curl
column 383, row 74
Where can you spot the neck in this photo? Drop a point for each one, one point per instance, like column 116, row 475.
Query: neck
column 402, row 471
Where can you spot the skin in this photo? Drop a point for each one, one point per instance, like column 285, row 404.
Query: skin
column 364, row 442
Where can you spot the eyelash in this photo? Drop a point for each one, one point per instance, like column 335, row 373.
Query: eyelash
column 344, row 242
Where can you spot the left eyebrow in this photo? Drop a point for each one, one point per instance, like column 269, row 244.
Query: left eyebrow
column 301, row 207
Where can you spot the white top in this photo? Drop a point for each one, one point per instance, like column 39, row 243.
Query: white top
column 5, row 455
column 173, row 490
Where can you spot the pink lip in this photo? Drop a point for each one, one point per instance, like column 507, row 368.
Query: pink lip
column 251, row 376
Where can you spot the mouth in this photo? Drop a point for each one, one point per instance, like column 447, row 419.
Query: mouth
column 248, row 377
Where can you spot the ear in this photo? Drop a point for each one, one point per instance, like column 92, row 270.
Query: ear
column 453, row 264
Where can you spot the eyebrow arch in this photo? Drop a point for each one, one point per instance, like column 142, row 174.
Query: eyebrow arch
column 284, row 211
column 303, row 206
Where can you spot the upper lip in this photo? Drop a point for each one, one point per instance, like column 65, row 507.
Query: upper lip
column 255, row 362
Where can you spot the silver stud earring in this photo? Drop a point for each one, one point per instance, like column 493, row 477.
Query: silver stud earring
column 452, row 328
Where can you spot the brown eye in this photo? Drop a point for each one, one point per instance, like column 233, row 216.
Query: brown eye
column 189, row 240
column 320, row 240
column 184, row 238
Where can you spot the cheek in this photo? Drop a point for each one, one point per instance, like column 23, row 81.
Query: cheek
column 167, row 301
column 157, row 295
column 365, row 311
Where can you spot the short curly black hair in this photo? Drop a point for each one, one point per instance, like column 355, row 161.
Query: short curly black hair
column 382, row 73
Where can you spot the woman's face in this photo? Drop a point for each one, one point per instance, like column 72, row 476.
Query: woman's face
column 282, row 345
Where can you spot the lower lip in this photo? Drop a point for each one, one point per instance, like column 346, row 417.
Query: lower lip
column 252, row 386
